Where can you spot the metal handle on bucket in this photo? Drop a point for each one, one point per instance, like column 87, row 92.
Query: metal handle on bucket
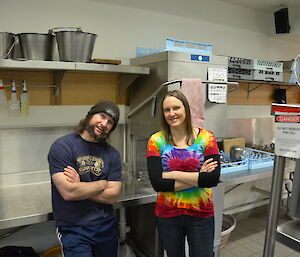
column 76, row 29
column 9, row 49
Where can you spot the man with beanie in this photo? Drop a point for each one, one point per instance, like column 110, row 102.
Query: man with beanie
column 86, row 181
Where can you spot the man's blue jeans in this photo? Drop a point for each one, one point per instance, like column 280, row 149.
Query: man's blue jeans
column 199, row 233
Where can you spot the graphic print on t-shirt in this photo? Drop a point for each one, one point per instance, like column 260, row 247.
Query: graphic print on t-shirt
column 90, row 164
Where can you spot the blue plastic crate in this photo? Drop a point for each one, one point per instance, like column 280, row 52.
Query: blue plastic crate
column 142, row 51
column 232, row 166
column 188, row 46
column 259, row 159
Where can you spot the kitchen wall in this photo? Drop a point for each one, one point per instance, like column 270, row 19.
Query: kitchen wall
column 123, row 25
column 18, row 165
column 14, row 143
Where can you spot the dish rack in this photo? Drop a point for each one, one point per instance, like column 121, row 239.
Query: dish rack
column 142, row 51
column 267, row 75
column 267, row 65
column 254, row 69
column 240, row 63
column 188, row 46
column 267, row 70
column 178, row 46
column 259, row 159
column 231, row 166
column 237, row 73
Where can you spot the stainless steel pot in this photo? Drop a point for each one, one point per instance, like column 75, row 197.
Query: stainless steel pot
column 74, row 45
column 237, row 153
column 36, row 46
column 7, row 43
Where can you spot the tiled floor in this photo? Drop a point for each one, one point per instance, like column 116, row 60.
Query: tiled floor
column 247, row 240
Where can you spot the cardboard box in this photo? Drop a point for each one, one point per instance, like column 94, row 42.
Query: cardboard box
column 228, row 143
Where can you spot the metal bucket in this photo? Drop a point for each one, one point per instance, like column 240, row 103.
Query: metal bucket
column 36, row 46
column 7, row 43
column 228, row 225
column 74, row 46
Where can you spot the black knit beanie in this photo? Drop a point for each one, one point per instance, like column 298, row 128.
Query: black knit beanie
column 108, row 107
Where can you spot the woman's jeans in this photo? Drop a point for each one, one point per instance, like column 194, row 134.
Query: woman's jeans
column 199, row 233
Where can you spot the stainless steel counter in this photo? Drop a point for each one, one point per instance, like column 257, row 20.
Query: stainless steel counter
column 25, row 198
column 243, row 176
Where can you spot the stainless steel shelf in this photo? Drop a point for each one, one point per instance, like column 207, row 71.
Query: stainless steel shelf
column 128, row 73
column 36, row 65
column 243, row 176
column 289, row 234
column 264, row 82
column 129, row 69
column 259, row 83
column 9, row 64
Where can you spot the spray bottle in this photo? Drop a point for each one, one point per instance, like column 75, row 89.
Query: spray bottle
column 13, row 103
column 3, row 101
column 24, row 100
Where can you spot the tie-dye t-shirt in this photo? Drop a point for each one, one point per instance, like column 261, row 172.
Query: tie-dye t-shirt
column 194, row 201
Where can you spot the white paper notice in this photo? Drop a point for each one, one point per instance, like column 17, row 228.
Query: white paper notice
column 217, row 93
column 287, row 135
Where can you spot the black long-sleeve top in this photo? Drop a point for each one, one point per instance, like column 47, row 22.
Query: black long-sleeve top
column 205, row 179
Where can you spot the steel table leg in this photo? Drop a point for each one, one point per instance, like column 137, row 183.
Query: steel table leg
column 276, row 191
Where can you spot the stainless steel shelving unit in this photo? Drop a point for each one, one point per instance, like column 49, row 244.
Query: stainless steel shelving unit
column 35, row 207
column 128, row 73
column 70, row 66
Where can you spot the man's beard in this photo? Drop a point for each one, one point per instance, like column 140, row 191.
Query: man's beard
column 98, row 138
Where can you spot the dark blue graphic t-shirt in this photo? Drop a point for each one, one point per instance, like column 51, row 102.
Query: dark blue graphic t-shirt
column 93, row 162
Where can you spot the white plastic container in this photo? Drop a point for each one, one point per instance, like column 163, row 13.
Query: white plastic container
column 3, row 101
column 24, row 99
column 14, row 103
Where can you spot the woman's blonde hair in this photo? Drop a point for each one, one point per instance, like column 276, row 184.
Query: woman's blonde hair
column 188, row 120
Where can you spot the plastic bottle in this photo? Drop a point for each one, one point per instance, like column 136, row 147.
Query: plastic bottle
column 3, row 101
column 24, row 100
column 13, row 103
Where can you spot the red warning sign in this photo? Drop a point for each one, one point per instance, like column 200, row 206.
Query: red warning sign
column 287, row 118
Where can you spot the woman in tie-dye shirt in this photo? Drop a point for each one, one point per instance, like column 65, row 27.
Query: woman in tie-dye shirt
column 183, row 164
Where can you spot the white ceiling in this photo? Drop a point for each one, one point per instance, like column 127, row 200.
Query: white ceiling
column 268, row 6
